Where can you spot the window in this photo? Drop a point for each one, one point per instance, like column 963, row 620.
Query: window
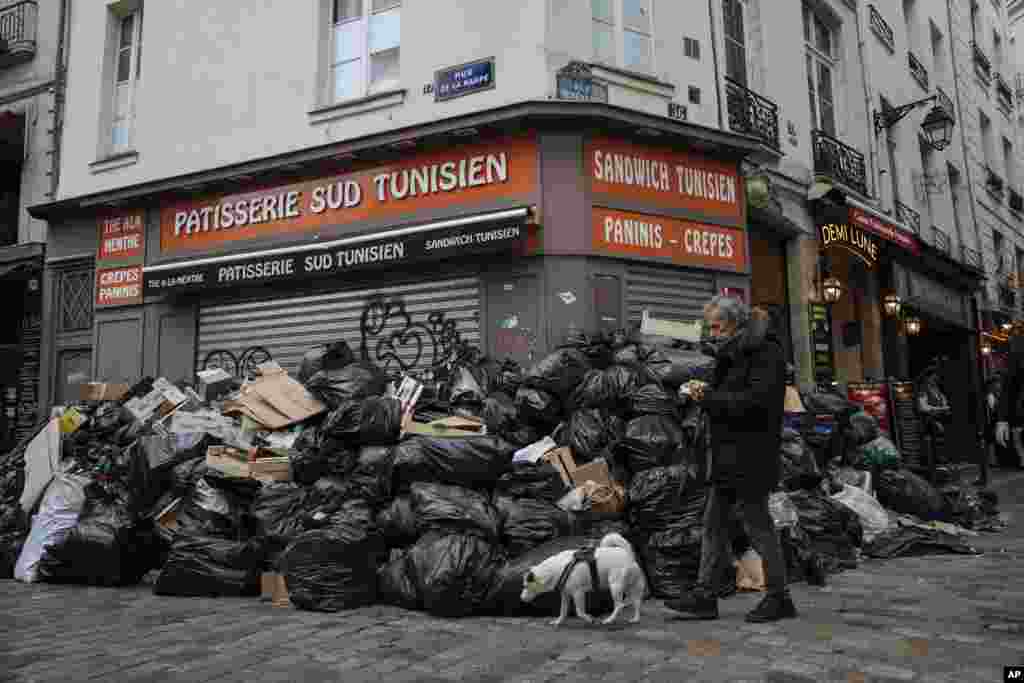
column 75, row 290
column 1009, row 164
column 735, row 41
column 986, row 139
column 691, row 47
column 819, row 39
column 622, row 33
column 997, row 247
column 365, row 47
column 694, row 94
column 127, row 70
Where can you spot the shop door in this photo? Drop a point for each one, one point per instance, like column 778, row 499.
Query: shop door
column 286, row 327
column 768, row 285
column 514, row 318
column 668, row 293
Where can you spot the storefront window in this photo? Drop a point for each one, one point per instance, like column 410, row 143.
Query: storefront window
column 75, row 300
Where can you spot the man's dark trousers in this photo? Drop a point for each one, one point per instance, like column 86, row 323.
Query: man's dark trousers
column 715, row 544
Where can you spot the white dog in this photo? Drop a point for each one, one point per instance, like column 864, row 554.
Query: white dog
column 569, row 571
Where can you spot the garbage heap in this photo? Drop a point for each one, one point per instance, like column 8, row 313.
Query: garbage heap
column 346, row 491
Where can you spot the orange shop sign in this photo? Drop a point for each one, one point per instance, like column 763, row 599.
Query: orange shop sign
column 467, row 175
column 665, row 178
column 119, row 286
column 683, row 242
column 120, row 237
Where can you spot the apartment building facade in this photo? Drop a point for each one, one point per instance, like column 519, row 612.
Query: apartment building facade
column 31, row 47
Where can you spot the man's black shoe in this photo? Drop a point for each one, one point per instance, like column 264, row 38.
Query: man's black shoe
column 695, row 606
column 772, row 608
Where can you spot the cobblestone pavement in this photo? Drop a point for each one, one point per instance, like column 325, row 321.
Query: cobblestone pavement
column 942, row 618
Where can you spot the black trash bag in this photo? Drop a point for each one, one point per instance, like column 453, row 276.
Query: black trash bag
column 593, row 392
column 826, row 403
column 332, row 459
column 540, row 481
column 672, row 368
column 977, row 510
column 559, row 373
column 596, row 349
column 803, row 562
column 863, row 429
column 528, row 523
column 473, row 462
column 586, row 433
column 655, row 497
column 372, row 479
column 335, row 568
column 373, row 421
column 328, row 357
column 278, row 513
column 506, row 597
column 309, row 439
column 833, row 529
column 216, row 506
column 650, row 441
column 671, row 558
column 398, row 522
column 10, row 550
column 910, row 541
column 631, row 354
column 500, row 414
column 799, row 469
column 396, row 582
column 621, row 382
column 509, row 378
column 453, row 510
column 538, row 408
column 352, row 383
column 105, row 548
column 906, row 493
column 455, row 574
column 652, row 399
column 466, row 388
column 212, row 567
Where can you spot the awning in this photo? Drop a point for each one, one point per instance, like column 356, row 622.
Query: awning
column 482, row 234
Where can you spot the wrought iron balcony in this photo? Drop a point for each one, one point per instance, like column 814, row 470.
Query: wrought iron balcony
column 941, row 241
column 881, row 28
column 1016, row 201
column 752, row 114
column 972, row 257
column 839, row 161
column 1003, row 92
column 917, row 70
column 994, row 183
column 17, row 33
column 909, row 217
column 982, row 64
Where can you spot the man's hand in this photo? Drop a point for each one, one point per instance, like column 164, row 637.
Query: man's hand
column 695, row 390
column 1002, row 433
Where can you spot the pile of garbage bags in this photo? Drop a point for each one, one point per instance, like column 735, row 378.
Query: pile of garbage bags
column 376, row 513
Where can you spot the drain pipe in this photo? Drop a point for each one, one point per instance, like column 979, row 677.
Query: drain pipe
column 872, row 138
column 714, row 60
column 59, row 89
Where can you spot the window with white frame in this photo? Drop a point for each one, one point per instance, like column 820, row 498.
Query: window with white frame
column 127, row 70
column 365, row 47
column 623, row 34
column 735, row 41
column 819, row 39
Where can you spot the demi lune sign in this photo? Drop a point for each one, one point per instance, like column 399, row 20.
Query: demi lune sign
column 853, row 240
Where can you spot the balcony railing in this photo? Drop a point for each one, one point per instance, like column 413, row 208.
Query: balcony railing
column 17, row 33
column 917, row 70
column 1016, row 202
column 1007, row 296
column 882, row 29
column 839, row 161
column 945, row 102
column 982, row 64
column 994, row 183
column 752, row 114
column 941, row 241
column 972, row 257
column 909, row 217
column 1003, row 92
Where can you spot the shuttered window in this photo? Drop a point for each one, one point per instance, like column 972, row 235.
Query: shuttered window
column 668, row 293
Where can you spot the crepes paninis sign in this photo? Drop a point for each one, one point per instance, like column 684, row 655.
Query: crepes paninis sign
column 335, row 259
column 120, row 252
column 467, row 174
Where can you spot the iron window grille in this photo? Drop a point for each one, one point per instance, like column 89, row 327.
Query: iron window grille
column 76, row 300
column 839, row 161
column 752, row 114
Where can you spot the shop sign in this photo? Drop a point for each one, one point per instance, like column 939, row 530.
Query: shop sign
column 853, row 240
column 873, row 398
column 906, row 419
column 683, row 242
column 119, row 286
column 821, row 343
column 464, row 80
column 885, row 230
column 665, row 178
column 469, row 174
column 120, row 237
column 337, row 259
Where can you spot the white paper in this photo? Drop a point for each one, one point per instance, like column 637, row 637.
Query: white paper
column 535, row 451
column 42, row 460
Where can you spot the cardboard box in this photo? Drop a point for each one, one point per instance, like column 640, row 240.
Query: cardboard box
column 253, row 464
column 448, row 427
column 563, row 461
column 101, row 391
column 167, row 518
column 274, row 590
column 275, row 401
column 606, row 494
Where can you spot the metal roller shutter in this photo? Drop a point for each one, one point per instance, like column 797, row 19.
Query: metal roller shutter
column 287, row 327
column 668, row 293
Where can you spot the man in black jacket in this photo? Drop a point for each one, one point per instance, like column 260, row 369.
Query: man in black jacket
column 1011, row 409
column 745, row 406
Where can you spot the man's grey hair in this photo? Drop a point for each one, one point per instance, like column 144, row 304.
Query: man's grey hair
column 729, row 309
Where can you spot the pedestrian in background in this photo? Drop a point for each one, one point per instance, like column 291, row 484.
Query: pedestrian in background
column 1011, row 412
column 993, row 390
column 744, row 404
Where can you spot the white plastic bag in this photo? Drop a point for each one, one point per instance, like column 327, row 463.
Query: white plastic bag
column 784, row 512
column 62, row 503
column 873, row 517
column 42, row 457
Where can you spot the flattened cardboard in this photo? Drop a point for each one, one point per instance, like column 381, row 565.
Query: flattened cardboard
column 563, row 461
column 596, row 471
column 276, row 401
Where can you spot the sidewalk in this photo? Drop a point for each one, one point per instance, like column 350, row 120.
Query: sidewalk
column 939, row 618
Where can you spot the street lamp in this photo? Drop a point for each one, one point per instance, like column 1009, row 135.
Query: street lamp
column 912, row 325
column 892, row 305
column 831, row 290
column 937, row 125
column 986, row 348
